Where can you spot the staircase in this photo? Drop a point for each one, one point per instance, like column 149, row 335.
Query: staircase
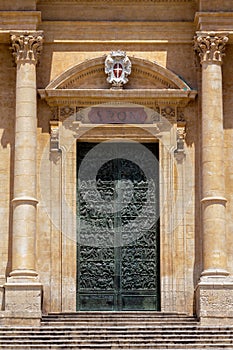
column 117, row 330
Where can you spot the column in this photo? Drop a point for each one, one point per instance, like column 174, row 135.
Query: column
column 211, row 50
column 22, row 288
column 215, row 289
column 26, row 48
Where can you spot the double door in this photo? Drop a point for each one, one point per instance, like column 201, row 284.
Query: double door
column 117, row 226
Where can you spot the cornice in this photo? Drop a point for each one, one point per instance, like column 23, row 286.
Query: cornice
column 214, row 21
column 88, row 97
column 17, row 21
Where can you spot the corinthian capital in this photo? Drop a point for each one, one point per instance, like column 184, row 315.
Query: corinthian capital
column 27, row 46
column 210, row 46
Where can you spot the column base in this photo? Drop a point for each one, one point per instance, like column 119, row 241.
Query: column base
column 28, row 274
column 209, row 273
column 214, row 300
column 23, row 302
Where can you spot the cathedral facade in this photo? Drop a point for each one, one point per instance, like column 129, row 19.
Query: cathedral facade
column 116, row 148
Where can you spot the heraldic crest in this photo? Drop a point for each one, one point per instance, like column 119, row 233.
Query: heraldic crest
column 118, row 67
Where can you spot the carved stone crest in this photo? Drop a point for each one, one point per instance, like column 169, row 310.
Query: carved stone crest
column 118, row 67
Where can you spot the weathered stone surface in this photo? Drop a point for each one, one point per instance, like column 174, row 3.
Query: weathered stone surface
column 195, row 139
column 214, row 298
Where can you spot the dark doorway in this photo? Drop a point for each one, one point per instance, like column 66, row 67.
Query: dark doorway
column 118, row 226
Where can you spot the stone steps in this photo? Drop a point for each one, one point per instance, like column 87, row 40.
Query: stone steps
column 117, row 330
column 200, row 346
column 110, row 337
column 118, row 318
column 112, row 346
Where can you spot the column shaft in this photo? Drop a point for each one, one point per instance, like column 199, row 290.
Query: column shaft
column 213, row 169
column 25, row 49
column 210, row 48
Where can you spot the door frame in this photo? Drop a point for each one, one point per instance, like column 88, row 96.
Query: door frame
column 174, row 283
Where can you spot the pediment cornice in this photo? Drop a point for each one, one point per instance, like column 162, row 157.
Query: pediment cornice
column 163, row 88
column 79, row 76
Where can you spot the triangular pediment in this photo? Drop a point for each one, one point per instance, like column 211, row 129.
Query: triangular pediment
column 145, row 75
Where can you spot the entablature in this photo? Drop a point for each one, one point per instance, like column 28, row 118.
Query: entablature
column 117, row 32
column 17, row 21
column 215, row 22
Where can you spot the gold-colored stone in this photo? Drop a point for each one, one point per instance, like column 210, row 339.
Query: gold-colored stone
column 38, row 147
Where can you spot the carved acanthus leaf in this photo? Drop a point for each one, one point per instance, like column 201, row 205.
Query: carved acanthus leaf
column 27, row 46
column 210, row 46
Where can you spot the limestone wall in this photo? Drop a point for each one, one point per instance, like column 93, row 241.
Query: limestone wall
column 159, row 32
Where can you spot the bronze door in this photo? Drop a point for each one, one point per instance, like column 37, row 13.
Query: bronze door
column 118, row 229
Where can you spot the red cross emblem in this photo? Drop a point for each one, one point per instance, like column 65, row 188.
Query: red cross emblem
column 117, row 70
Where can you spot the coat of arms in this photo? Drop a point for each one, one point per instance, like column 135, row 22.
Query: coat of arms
column 118, row 67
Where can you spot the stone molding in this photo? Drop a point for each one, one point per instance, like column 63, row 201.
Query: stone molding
column 215, row 199
column 27, row 46
column 22, row 20
column 167, row 100
column 219, row 22
column 210, row 46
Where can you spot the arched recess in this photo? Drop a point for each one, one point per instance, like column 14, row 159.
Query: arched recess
column 82, row 88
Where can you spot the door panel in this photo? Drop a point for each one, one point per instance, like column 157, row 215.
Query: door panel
column 117, row 265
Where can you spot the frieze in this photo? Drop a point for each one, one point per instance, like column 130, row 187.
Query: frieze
column 117, row 115
column 66, row 111
column 168, row 112
column 113, row 114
